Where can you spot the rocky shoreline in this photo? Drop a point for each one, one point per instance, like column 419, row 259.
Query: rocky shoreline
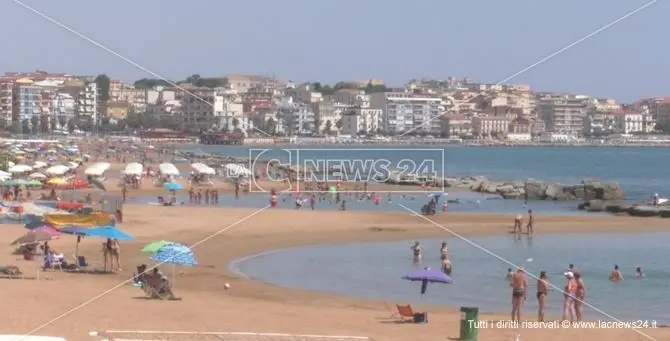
column 622, row 208
column 530, row 189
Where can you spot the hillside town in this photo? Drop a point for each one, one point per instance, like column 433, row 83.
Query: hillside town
column 253, row 105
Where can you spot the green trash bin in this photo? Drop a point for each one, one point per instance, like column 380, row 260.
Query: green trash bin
column 469, row 318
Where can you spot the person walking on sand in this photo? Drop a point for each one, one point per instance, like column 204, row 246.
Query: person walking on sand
column 531, row 221
column 542, row 292
column 519, row 293
column 581, row 295
column 569, row 296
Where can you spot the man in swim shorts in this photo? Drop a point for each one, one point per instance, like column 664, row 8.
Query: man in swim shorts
column 519, row 289
column 518, row 222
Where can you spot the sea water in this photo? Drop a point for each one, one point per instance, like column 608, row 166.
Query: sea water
column 374, row 271
column 467, row 203
column 639, row 171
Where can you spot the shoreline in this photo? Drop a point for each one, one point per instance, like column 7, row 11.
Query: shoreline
column 206, row 305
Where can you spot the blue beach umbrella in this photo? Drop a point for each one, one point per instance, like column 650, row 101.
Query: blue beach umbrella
column 173, row 186
column 176, row 254
column 108, row 231
column 426, row 275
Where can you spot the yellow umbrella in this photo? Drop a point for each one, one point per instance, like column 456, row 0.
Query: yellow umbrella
column 57, row 181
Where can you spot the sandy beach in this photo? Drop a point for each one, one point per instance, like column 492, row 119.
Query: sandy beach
column 71, row 305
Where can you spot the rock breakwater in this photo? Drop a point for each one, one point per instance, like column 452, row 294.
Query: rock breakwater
column 635, row 210
column 529, row 189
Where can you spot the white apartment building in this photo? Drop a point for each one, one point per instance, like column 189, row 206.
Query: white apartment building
column 63, row 109
column 232, row 115
column 488, row 126
column 295, row 118
column 87, row 103
column 563, row 113
column 404, row 112
column 633, row 122
column 328, row 115
column 6, row 87
column 165, row 110
column 361, row 121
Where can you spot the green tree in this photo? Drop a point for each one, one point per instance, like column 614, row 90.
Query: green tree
column 34, row 125
column 102, row 81
column 370, row 88
column 663, row 127
column 235, row 122
column 271, row 126
column 339, row 124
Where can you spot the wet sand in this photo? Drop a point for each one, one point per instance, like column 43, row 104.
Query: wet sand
column 71, row 305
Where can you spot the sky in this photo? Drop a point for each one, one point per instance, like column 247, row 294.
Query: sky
column 329, row 41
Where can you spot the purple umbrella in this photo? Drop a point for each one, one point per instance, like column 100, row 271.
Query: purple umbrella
column 427, row 275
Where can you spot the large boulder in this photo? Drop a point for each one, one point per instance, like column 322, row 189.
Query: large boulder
column 645, row 211
column 479, row 184
column 535, row 189
column 595, row 205
column 594, row 189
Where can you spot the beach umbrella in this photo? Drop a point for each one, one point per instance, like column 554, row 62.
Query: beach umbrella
column 426, row 275
column 32, row 221
column 20, row 169
column 34, row 183
column 37, row 176
column 97, row 183
column 57, row 181
column 76, row 230
column 156, row 246
column 173, row 186
column 57, row 170
column 48, row 229
column 39, row 164
column 109, row 231
column 176, row 254
column 33, row 237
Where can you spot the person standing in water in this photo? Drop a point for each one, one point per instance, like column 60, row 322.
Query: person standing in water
column 444, row 251
column 531, row 221
column 416, row 253
column 569, row 296
column 509, row 275
column 519, row 289
column 639, row 273
column 446, row 266
column 518, row 222
column 615, row 275
column 542, row 292
column 581, row 295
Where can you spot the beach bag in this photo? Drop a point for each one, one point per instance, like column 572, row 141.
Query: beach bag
column 420, row 317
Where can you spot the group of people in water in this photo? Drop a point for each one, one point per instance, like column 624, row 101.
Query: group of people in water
column 574, row 291
column 446, row 266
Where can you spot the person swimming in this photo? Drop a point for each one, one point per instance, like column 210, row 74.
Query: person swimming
column 639, row 272
column 416, row 252
column 615, row 275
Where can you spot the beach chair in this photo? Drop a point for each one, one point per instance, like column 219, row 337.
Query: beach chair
column 407, row 314
column 52, row 262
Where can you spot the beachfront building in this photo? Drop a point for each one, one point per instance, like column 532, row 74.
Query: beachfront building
column 26, row 100
column 519, row 137
column 201, row 109
column 404, row 112
column 658, row 108
column 456, row 125
column 232, row 114
column 87, row 103
column 327, row 116
column 361, row 121
column 489, row 126
column 63, row 110
column 294, row 118
column 626, row 122
column 563, row 113
column 6, row 91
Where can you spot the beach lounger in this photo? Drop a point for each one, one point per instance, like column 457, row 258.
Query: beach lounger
column 406, row 314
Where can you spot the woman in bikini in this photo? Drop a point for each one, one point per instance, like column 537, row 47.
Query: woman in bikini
column 542, row 292
column 569, row 296
column 581, row 294
column 416, row 253
column 113, row 250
